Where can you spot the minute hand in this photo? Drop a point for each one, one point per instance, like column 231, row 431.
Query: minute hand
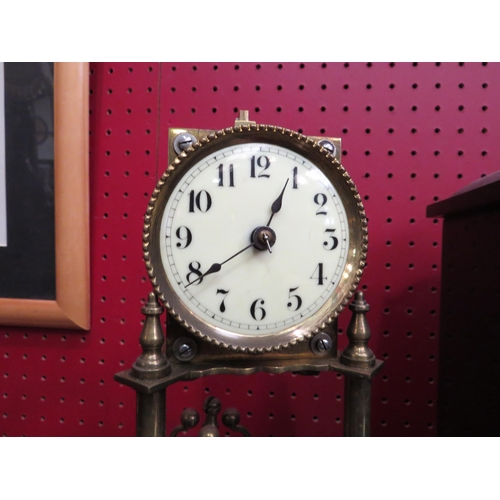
column 215, row 268
column 276, row 206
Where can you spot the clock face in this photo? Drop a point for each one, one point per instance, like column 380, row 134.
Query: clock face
column 255, row 244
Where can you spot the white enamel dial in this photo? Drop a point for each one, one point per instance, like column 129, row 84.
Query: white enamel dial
column 212, row 264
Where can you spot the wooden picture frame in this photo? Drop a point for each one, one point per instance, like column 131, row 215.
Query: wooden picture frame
column 71, row 308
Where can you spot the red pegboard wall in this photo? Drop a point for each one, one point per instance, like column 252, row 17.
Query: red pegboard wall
column 412, row 134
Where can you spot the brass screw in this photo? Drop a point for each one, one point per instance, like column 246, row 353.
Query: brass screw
column 323, row 344
column 328, row 145
column 183, row 141
column 185, row 350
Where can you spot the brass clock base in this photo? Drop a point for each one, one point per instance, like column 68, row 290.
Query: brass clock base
column 356, row 363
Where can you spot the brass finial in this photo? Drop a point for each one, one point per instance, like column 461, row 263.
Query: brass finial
column 243, row 119
column 152, row 363
column 231, row 419
column 211, row 408
column 357, row 353
column 189, row 419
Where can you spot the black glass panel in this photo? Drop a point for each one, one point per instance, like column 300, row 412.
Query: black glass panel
column 27, row 263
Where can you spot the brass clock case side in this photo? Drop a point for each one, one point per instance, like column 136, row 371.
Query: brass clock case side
column 358, row 237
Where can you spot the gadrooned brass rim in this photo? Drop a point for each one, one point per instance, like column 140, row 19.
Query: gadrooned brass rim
column 358, row 237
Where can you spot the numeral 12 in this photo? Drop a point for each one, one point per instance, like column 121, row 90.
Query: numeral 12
column 263, row 162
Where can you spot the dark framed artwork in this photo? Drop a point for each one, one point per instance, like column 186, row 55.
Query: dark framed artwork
column 44, row 199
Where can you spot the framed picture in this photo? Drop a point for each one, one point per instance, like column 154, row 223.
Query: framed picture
column 44, row 195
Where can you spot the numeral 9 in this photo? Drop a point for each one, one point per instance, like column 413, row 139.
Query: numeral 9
column 184, row 234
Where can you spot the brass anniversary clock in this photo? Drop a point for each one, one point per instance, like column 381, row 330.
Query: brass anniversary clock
column 255, row 239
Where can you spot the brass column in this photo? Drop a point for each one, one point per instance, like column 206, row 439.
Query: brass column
column 151, row 365
column 357, row 393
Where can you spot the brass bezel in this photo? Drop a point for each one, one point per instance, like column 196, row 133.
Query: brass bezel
column 358, row 234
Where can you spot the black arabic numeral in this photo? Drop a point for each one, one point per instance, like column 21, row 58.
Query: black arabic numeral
column 262, row 162
column 184, row 234
column 318, row 274
column 222, row 307
column 320, row 199
column 220, row 168
column 255, row 309
column 194, row 268
column 298, row 303
column 334, row 241
column 201, row 201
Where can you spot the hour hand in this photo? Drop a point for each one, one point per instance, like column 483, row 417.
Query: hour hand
column 276, row 206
